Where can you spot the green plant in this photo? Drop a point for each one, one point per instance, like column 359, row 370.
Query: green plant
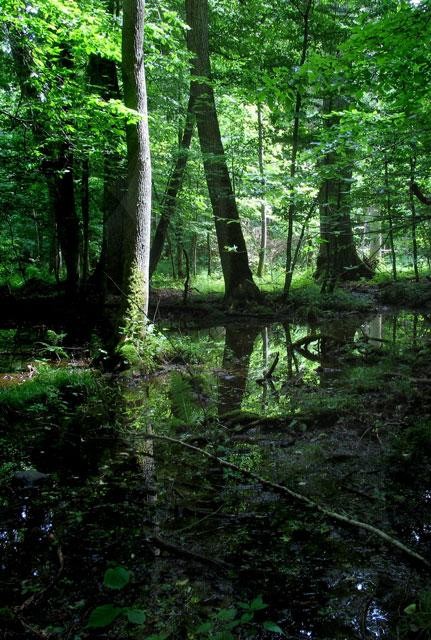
column 221, row 623
column 418, row 616
column 104, row 615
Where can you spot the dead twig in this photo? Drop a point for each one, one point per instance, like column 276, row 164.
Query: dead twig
column 268, row 374
column 186, row 553
column 304, row 500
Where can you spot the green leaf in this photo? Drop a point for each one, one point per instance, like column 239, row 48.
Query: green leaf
column 103, row 616
column 271, row 626
column 116, row 578
column 206, row 627
column 226, row 614
column 136, row 616
column 257, row 604
column 411, row 609
column 247, row 617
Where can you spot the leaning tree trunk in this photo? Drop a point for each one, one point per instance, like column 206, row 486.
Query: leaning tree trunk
column 138, row 218
column 338, row 258
column 173, row 187
column 237, row 275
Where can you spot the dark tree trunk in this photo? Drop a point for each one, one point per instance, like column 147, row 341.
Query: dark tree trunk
column 294, row 155
column 237, row 275
column 236, row 361
column 85, row 212
column 57, row 165
column 138, row 222
column 414, row 220
column 59, row 173
column 338, row 258
column 104, row 78
column 169, row 202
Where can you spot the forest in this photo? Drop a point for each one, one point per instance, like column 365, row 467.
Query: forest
column 215, row 338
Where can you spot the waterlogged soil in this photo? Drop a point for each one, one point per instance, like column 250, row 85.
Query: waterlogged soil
column 344, row 419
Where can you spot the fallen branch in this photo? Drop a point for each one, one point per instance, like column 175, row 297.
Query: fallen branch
column 306, row 340
column 299, row 497
column 185, row 553
column 268, row 374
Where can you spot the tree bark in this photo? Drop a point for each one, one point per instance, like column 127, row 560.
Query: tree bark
column 239, row 285
column 85, row 212
column 104, row 79
column 294, row 155
column 414, row 221
column 390, row 221
column 138, row 220
column 57, row 164
column 338, row 258
column 174, row 185
column 59, row 173
column 263, row 218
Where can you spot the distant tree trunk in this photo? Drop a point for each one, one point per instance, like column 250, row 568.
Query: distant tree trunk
column 237, row 275
column 294, row 155
column 85, row 212
column 390, row 221
column 180, row 255
column 414, row 223
column 263, row 218
column 338, row 258
column 209, row 261
column 174, row 185
column 138, row 222
column 104, row 79
column 194, row 254
column 59, row 172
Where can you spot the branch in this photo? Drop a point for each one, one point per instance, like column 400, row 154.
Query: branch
column 415, row 189
column 304, row 500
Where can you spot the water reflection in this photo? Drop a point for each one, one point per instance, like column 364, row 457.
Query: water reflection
column 112, row 493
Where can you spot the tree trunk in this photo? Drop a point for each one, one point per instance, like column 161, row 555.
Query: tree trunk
column 57, row 164
column 59, row 173
column 104, row 79
column 294, row 155
column 390, row 221
column 138, row 220
column 239, row 285
column 263, row 218
column 414, row 223
column 85, row 212
column 173, row 188
column 338, row 258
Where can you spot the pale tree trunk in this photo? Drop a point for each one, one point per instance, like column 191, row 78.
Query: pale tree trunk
column 138, row 217
column 238, row 279
column 263, row 218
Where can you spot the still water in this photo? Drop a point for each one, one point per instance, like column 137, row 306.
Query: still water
column 200, row 539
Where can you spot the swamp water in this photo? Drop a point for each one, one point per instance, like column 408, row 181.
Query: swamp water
column 341, row 420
